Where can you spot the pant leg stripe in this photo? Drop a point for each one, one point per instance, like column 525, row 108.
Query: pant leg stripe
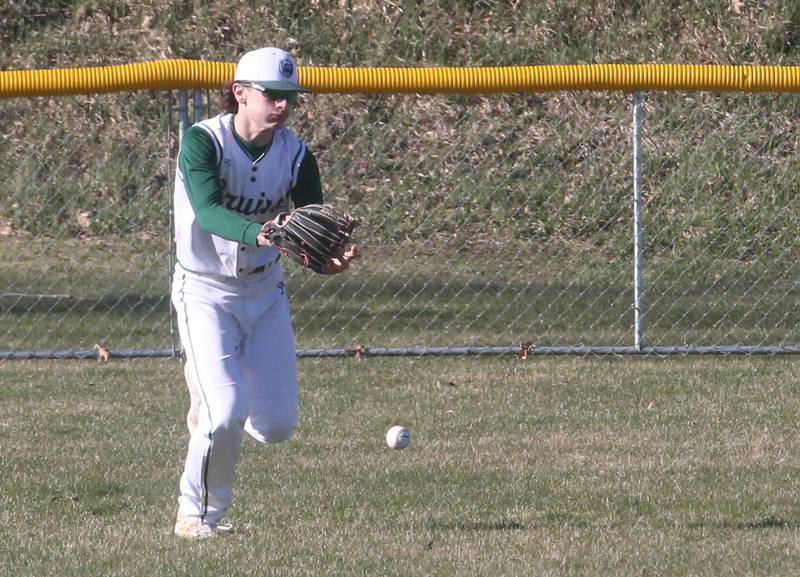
column 207, row 453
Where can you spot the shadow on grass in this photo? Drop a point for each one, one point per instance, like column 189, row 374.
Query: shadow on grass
column 98, row 498
column 32, row 304
column 764, row 523
column 768, row 522
column 489, row 525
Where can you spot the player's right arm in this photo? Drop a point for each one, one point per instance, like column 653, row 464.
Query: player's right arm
column 198, row 165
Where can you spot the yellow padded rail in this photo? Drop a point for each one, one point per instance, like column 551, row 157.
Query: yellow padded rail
column 189, row 74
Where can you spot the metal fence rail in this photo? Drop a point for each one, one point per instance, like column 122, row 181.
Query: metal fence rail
column 571, row 223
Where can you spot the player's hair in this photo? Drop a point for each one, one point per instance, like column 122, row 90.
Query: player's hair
column 227, row 101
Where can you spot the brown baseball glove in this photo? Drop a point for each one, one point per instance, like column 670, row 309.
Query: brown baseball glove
column 311, row 235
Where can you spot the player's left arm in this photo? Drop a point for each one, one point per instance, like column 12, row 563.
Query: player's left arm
column 308, row 190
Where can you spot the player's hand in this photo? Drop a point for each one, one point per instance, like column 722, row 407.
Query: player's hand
column 263, row 239
column 337, row 265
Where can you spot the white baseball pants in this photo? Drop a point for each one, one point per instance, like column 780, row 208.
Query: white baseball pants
column 238, row 336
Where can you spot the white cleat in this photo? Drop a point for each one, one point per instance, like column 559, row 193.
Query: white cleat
column 193, row 528
column 194, row 397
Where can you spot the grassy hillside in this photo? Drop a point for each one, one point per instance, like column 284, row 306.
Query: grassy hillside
column 48, row 33
column 553, row 166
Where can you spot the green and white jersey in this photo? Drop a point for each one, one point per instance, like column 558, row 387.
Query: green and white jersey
column 225, row 191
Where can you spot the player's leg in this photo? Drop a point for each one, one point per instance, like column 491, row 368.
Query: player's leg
column 195, row 395
column 269, row 365
column 211, row 339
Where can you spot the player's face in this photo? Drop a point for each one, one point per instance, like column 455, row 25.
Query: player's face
column 269, row 108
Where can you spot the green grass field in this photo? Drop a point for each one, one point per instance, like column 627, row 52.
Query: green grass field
column 550, row 466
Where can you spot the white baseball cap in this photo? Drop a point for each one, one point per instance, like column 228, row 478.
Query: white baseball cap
column 271, row 68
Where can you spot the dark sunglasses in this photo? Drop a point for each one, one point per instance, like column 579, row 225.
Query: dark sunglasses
column 276, row 95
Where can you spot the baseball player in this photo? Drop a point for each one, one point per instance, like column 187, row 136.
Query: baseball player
column 235, row 172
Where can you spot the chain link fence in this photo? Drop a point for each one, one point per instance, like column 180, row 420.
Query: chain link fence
column 488, row 224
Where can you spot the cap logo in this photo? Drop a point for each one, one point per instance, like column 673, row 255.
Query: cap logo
column 286, row 68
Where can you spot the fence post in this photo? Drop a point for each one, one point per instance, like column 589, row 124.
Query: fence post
column 183, row 124
column 183, row 113
column 199, row 112
column 638, row 294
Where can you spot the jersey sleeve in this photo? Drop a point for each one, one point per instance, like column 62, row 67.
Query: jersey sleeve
column 308, row 189
column 199, row 169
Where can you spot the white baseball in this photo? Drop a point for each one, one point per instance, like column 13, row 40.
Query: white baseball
column 398, row 437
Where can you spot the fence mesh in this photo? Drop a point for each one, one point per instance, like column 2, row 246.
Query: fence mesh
column 485, row 221
column 722, row 221
column 84, row 224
